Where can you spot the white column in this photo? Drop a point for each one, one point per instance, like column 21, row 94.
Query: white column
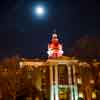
column 56, row 83
column 70, row 81
column 69, row 75
column 75, row 83
column 74, row 76
column 51, row 83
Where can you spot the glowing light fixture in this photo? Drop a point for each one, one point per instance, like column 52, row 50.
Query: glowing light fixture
column 81, row 95
column 79, row 81
column 92, row 81
column 93, row 95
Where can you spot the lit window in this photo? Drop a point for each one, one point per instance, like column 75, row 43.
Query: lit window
column 93, row 95
column 21, row 64
column 44, row 70
column 91, row 81
column 81, row 95
column 79, row 81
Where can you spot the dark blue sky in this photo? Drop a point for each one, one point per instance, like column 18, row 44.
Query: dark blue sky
column 20, row 29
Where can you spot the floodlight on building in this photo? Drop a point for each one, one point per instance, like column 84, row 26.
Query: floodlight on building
column 92, row 81
column 79, row 80
column 55, row 48
column 93, row 95
column 81, row 95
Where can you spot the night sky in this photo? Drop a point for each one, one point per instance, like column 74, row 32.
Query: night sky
column 21, row 31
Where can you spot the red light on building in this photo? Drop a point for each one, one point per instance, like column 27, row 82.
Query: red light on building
column 55, row 47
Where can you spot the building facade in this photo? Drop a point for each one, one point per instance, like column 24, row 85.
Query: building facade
column 63, row 78
column 60, row 77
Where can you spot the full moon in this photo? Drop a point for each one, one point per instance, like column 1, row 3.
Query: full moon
column 39, row 10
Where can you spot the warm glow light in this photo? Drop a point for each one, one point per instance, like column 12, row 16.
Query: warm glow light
column 93, row 95
column 81, row 95
column 30, row 63
column 79, row 81
column 92, row 81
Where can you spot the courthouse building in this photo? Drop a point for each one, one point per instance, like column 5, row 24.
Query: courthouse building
column 60, row 77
